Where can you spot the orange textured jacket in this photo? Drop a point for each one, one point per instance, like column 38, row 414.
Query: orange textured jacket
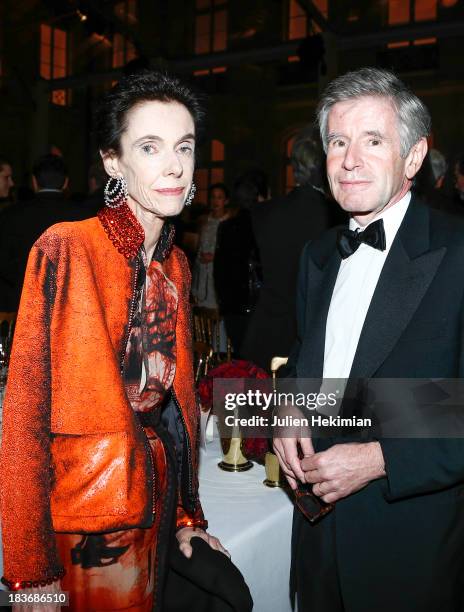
column 73, row 456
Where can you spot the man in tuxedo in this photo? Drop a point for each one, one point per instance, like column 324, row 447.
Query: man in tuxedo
column 382, row 299
column 282, row 227
column 22, row 224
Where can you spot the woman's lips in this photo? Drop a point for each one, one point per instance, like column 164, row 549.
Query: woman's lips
column 171, row 191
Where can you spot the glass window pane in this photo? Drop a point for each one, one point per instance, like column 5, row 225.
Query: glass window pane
column 59, row 58
column 217, row 175
column 45, row 71
column 217, row 150
column 202, row 45
column 322, row 6
column 45, row 35
column 201, row 178
column 297, row 28
column 220, row 41
column 203, row 25
column 296, row 9
column 220, row 21
column 398, row 11
column 45, row 54
column 425, row 10
column 59, row 39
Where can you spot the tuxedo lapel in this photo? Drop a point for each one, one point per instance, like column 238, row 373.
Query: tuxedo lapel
column 320, row 287
column 408, row 271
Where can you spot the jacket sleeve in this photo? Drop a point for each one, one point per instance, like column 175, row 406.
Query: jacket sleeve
column 30, row 554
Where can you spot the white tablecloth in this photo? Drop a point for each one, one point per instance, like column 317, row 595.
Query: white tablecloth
column 254, row 523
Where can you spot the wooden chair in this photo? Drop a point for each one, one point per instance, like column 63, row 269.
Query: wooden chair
column 202, row 357
column 207, row 329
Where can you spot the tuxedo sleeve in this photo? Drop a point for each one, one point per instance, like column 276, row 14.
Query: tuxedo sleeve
column 421, row 466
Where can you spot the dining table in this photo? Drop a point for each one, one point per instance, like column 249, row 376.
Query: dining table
column 253, row 522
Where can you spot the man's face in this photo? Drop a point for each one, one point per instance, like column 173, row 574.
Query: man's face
column 364, row 167
column 459, row 179
column 6, row 180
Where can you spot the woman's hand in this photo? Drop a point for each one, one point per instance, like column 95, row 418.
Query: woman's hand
column 55, row 587
column 187, row 533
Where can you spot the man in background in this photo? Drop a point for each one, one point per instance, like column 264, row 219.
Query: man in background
column 21, row 226
column 6, row 182
column 282, row 227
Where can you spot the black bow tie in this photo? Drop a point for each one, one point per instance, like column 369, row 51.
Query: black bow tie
column 349, row 240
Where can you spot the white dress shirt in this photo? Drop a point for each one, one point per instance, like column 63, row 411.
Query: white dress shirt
column 355, row 285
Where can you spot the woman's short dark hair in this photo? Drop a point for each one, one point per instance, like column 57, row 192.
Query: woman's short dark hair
column 133, row 89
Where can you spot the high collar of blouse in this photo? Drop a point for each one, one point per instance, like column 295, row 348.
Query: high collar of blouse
column 127, row 235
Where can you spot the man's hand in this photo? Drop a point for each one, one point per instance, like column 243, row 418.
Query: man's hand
column 286, row 450
column 343, row 469
column 187, row 533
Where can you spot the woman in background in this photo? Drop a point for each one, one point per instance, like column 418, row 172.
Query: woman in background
column 203, row 289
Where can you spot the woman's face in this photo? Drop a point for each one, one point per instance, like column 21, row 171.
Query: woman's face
column 157, row 157
column 218, row 201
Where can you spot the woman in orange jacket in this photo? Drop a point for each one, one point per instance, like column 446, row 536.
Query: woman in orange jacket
column 99, row 450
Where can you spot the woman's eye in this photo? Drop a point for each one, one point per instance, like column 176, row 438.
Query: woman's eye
column 186, row 150
column 149, row 149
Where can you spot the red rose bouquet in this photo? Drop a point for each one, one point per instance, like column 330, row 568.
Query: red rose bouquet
column 253, row 448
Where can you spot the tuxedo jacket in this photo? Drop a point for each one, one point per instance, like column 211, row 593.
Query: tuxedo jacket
column 401, row 531
column 282, row 227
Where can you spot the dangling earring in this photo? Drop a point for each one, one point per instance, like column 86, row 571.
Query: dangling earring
column 191, row 195
column 115, row 193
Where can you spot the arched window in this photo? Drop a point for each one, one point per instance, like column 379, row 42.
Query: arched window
column 54, row 60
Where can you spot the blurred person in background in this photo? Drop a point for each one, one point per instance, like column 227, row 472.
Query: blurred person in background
column 203, row 289
column 21, row 225
column 459, row 179
column 236, row 267
column 6, row 182
column 282, row 227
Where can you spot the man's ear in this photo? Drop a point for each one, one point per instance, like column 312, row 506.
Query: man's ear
column 110, row 162
column 415, row 158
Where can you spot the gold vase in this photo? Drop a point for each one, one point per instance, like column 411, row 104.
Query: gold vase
column 233, row 459
column 274, row 476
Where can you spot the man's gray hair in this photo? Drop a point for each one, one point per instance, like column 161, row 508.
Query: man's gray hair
column 413, row 117
column 305, row 157
column 438, row 163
